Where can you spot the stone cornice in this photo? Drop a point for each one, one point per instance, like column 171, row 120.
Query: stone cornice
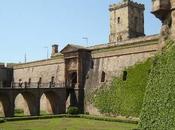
column 147, row 44
column 56, row 60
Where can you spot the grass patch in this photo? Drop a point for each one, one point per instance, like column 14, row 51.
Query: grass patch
column 66, row 124
column 44, row 113
column 124, row 96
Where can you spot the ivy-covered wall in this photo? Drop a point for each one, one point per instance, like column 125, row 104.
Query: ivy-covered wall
column 158, row 111
column 124, row 97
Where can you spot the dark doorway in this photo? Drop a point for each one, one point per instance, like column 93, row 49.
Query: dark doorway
column 72, row 79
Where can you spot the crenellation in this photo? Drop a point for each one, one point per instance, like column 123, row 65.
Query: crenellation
column 125, row 4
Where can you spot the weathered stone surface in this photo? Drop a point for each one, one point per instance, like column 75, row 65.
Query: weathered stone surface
column 126, row 21
column 113, row 61
column 41, row 69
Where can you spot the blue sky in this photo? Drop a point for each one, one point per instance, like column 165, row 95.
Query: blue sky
column 27, row 26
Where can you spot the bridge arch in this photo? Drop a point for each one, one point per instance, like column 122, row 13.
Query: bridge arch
column 5, row 106
column 27, row 101
column 49, row 102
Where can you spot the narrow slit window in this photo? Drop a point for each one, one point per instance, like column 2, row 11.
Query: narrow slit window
column 92, row 64
column 118, row 20
column 125, row 75
column 103, row 76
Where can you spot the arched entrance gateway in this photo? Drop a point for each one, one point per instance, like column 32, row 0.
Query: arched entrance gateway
column 48, row 103
column 77, row 63
column 4, row 105
column 27, row 103
column 31, row 101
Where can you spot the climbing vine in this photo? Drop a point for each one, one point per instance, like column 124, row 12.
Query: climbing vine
column 124, row 97
column 158, row 111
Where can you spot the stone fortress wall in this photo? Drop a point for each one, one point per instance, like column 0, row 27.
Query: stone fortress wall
column 40, row 69
column 111, row 59
column 107, row 60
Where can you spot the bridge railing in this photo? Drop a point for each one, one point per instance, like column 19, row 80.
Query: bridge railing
column 37, row 85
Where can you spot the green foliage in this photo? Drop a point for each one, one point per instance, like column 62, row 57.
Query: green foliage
column 124, row 97
column 19, row 111
column 2, row 120
column 158, row 111
column 73, row 110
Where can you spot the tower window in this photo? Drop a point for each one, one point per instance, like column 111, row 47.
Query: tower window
column 103, row 76
column 118, row 20
column 125, row 74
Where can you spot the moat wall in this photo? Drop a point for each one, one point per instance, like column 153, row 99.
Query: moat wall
column 113, row 61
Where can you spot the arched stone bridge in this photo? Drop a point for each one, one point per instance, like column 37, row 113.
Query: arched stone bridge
column 55, row 94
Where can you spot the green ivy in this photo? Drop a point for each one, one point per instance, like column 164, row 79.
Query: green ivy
column 158, row 111
column 124, row 97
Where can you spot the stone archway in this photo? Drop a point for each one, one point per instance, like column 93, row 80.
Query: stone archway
column 5, row 106
column 48, row 103
column 26, row 102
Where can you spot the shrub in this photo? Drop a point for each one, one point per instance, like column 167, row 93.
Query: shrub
column 86, row 113
column 19, row 111
column 2, row 120
column 73, row 110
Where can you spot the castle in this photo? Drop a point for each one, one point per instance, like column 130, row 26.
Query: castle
column 80, row 70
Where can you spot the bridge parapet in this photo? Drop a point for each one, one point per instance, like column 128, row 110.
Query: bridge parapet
column 32, row 85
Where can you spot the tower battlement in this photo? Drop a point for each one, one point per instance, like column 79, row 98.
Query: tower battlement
column 126, row 21
column 125, row 4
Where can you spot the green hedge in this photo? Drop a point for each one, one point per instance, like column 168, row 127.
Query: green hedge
column 73, row 110
column 158, row 111
column 124, row 97
column 2, row 120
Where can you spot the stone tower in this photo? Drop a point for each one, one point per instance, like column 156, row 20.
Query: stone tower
column 126, row 21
